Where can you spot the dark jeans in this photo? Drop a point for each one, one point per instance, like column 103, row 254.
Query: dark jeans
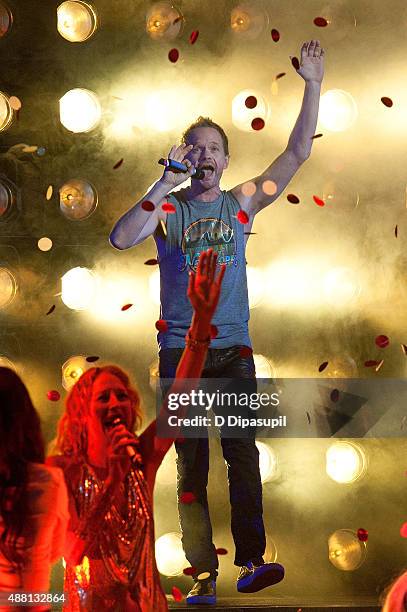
column 242, row 459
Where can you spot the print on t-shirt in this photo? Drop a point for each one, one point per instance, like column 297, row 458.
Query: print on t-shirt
column 208, row 234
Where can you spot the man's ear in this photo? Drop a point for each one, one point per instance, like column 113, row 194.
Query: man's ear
column 227, row 161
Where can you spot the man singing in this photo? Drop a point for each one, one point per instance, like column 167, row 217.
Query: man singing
column 206, row 216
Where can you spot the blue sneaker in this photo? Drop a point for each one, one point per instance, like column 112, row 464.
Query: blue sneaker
column 203, row 592
column 253, row 578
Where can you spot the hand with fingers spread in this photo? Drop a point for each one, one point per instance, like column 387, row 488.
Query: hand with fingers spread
column 312, row 61
column 171, row 178
column 204, row 288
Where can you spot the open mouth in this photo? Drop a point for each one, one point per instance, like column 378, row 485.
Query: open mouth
column 208, row 169
column 113, row 420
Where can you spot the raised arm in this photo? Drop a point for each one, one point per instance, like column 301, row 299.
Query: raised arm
column 137, row 223
column 283, row 168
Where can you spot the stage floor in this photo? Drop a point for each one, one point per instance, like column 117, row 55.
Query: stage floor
column 284, row 604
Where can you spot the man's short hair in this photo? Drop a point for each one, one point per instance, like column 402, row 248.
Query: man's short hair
column 207, row 122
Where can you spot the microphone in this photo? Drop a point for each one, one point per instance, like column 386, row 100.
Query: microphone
column 175, row 166
column 119, row 421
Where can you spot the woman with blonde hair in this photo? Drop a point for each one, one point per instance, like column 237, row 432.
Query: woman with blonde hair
column 109, row 555
column 396, row 597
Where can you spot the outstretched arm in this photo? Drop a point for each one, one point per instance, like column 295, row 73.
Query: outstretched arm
column 299, row 144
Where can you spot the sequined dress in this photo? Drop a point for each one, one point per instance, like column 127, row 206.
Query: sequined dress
column 121, row 561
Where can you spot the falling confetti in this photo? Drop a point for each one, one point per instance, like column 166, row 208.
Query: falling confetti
column 323, row 366
column 126, row 307
column 382, row 341
column 280, row 75
column 362, row 535
column 309, row 418
column 293, row 199
column 163, row 227
column 404, row 349
column 15, row 103
column 189, row 571
column 396, row 231
column 168, row 207
column 204, row 576
column 269, row 187
column 249, row 189
column 379, row 365
column 147, row 206
column 29, row 149
column 334, row 395
column 49, row 193
column 161, row 326
column 251, row 102
column 173, row 55
column 295, row 62
column 177, row 594
column 321, row 22
column 151, row 262
column 187, row 497
column 318, row 201
column 387, row 101
column 118, row 164
column 275, row 35
column 403, row 530
column 258, row 123
column 245, row 351
column 51, row 309
column 316, row 136
column 371, row 363
column 92, row 358
column 250, row 233
column 213, row 332
column 242, row 217
column 177, row 20
column 193, row 37
column 44, row 244
column 53, row 395
column 221, row 551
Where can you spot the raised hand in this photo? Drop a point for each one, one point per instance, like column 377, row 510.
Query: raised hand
column 204, row 288
column 171, row 178
column 312, row 61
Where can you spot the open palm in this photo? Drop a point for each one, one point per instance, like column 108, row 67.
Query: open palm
column 312, row 61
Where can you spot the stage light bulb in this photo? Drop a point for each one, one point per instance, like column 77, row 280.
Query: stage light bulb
column 338, row 110
column 8, row 287
column 164, row 21
column 169, row 555
column 345, row 551
column 267, row 461
column 6, row 19
column 73, row 369
column 8, row 198
column 78, row 199
column 76, row 20
column 78, row 288
column 79, row 110
column 345, row 462
column 248, row 20
column 341, row 286
column 6, row 112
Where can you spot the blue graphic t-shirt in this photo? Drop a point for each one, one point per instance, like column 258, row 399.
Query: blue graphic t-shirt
column 195, row 227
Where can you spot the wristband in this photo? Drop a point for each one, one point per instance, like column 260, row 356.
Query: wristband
column 194, row 344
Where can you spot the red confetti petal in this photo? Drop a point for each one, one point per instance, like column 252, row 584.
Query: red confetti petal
column 187, row 497
column 242, row 217
column 151, row 262
column 177, row 594
column 126, row 307
column 334, row 395
column 258, row 123
column 51, row 309
column 382, row 341
column 404, row 348
column 362, row 535
column 118, row 164
column 387, row 101
column 323, row 366
column 168, row 207
column 293, row 199
column 53, row 395
column 92, row 358
column 193, row 37
column 173, row 55
column 177, row 20
column 396, row 231
column 148, row 206
column 250, row 233
column 214, row 331
column 316, row 136
column 295, row 62
column 280, row 75
column 403, row 530
column 189, row 571
column 309, row 418
column 245, row 351
column 162, row 326
column 321, row 22
column 318, row 201
column 275, row 35
column 251, row 102
column 221, row 551
column 370, row 363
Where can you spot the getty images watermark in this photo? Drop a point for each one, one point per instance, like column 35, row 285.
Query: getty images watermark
column 238, row 406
